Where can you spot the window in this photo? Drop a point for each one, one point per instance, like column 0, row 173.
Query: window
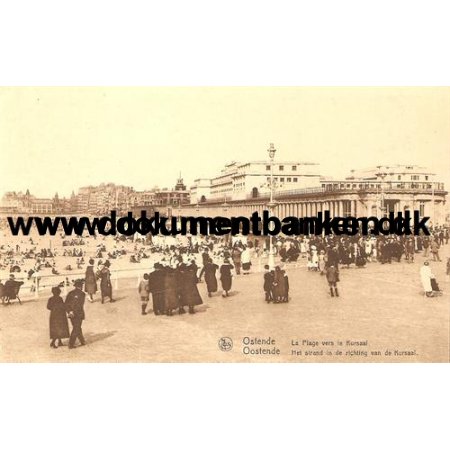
column 289, row 180
column 267, row 167
column 399, row 178
column 426, row 177
column 422, row 209
column 294, row 167
column 414, row 177
column 295, row 180
column 282, row 179
column 281, row 167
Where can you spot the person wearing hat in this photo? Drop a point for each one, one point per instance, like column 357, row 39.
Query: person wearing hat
column 209, row 269
column 156, row 287
column 226, row 277
column 59, row 326
column 279, row 285
column 90, row 280
column 75, row 311
column 105, row 282
column 434, row 247
column 170, row 286
column 268, row 283
column 332, row 278
column 189, row 291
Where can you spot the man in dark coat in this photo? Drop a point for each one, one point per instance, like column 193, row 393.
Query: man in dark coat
column 75, row 311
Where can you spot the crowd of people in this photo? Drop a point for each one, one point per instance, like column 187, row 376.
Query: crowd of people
column 174, row 267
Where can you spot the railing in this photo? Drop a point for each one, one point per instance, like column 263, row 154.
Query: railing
column 40, row 284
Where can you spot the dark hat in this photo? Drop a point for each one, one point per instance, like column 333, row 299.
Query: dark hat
column 107, row 264
column 78, row 283
column 91, row 261
column 56, row 290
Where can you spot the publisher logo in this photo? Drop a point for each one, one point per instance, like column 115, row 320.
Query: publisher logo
column 225, row 344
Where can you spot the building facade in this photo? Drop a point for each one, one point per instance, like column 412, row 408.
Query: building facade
column 243, row 181
column 372, row 192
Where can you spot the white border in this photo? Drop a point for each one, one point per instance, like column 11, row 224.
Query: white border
column 232, row 43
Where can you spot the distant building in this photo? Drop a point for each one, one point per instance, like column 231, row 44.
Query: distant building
column 103, row 198
column 240, row 181
column 384, row 189
column 163, row 200
column 371, row 192
column 20, row 203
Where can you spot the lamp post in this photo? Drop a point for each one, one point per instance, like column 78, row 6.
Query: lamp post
column 271, row 150
column 433, row 207
column 225, row 204
column 382, row 175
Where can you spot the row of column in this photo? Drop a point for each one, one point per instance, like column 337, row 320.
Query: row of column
column 302, row 209
column 337, row 208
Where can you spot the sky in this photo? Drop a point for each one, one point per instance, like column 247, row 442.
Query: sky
column 59, row 139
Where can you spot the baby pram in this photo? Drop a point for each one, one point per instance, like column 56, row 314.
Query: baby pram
column 11, row 290
column 435, row 287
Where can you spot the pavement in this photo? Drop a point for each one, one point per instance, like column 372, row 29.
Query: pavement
column 380, row 316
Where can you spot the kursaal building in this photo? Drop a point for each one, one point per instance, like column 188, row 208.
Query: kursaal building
column 299, row 190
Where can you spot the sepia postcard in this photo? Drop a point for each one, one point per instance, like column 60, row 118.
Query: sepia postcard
column 224, row 224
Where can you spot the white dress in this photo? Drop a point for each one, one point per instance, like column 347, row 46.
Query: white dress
column 425, row 276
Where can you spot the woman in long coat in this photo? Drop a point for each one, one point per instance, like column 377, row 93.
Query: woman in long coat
column 189, row 290
column 90, row 282
column 279, row 288
column 210, row 276
column 226, row 277
column 59, row 327
column 105, row 282
column 170, row 290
